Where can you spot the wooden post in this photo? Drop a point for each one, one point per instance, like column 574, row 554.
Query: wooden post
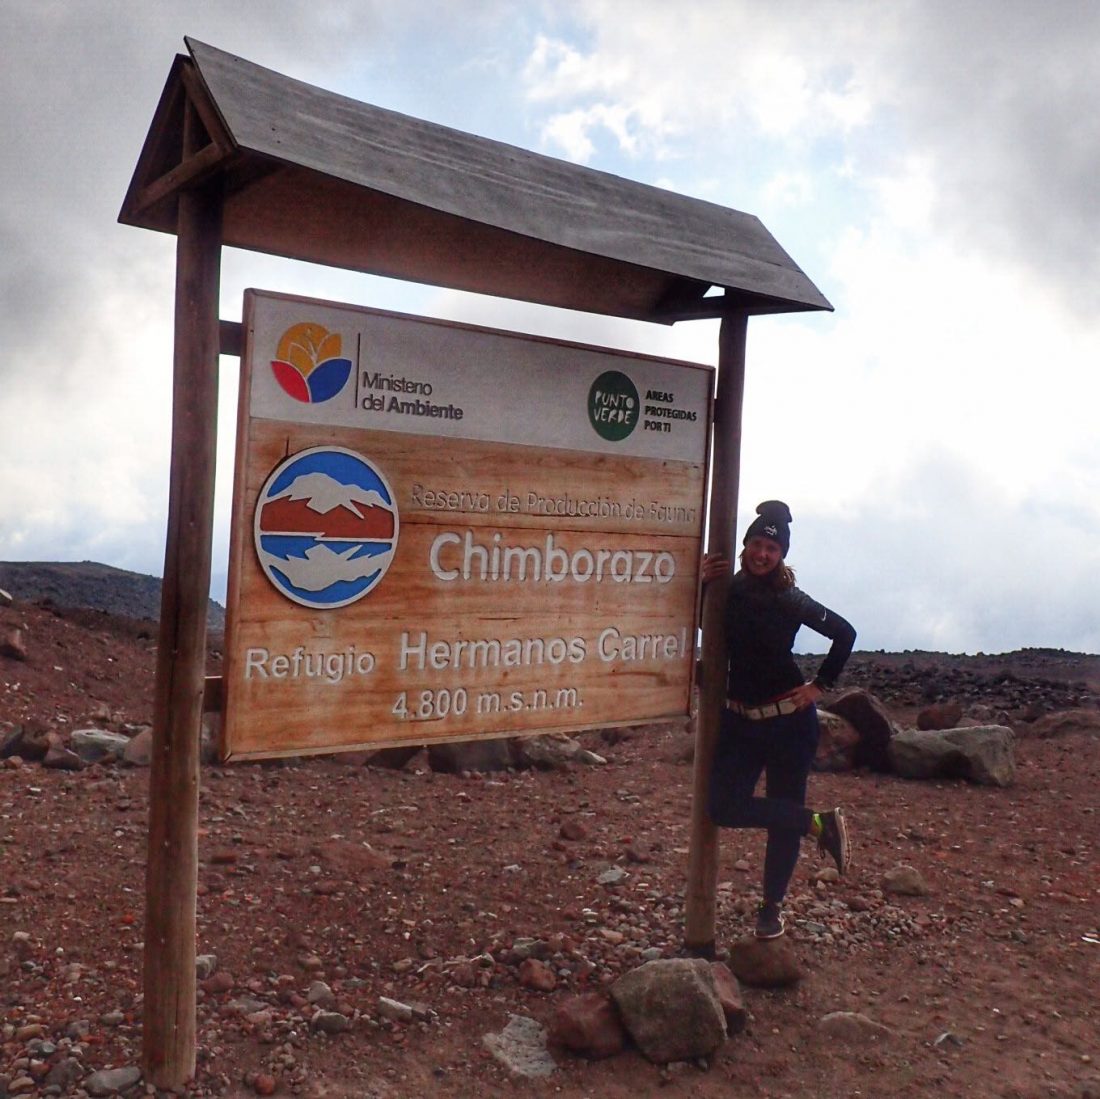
column 172, row 866
column 700, row 899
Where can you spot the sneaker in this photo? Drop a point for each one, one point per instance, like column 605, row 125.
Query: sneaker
column 834, row 840
column 769, row 921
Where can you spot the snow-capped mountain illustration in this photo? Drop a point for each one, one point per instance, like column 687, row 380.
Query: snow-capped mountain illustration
column 317, row 504
column 323, row 493
column 321, row 567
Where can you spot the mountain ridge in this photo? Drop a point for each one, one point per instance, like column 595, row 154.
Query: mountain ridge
column 89, row 584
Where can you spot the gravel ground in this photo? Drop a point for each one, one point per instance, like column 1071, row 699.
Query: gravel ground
column 327, row 887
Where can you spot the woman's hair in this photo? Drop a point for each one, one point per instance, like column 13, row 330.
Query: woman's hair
column 781, row 578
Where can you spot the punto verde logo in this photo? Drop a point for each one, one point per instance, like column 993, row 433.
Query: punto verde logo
column 613, row 406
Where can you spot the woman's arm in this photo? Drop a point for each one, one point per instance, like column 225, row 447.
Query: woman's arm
column 838, row 630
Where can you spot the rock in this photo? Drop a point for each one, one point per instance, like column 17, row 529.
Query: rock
column 573, row 829
column 264, row 1084
column 905, row 881
column 357, row 758
column 351, row 860
column 588, row 1025
column 870, row 719
column 11, row 644
column 218, row 983
column 589, row 758
column 5, row 598
column 671, row 1009
column 111, row 1081
column 836, row 750
column 395, row 1010
column 982, row 754
column 30, row 741
column 470, row 755
column 612, row 876
column 764, row 963
column 205, row 965
column 330, row 1022
column 210, row 737
column 729, row 996
column 547, row 752
column 940, row 715
column 60, row 758
column 394, row 759
column 139, row 749
column 1067, row 721
column 65, row 1074
column 320, row 995
column 93, row 745
column 537, row 975
column 521, row 1048
column 852, row 1026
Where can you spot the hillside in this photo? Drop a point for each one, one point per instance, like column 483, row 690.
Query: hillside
column 91, row 585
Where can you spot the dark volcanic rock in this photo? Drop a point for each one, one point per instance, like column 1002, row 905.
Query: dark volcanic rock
column 871, row 721
column 91, row 585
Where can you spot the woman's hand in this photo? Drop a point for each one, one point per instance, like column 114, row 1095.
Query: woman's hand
column 806, row 695
column 714, row 566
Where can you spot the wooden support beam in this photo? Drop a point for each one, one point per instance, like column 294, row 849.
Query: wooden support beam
column 702, row 884
column 190, row 172
column 169, row 1031
column 231, row 338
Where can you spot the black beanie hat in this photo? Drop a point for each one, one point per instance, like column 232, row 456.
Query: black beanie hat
column 773, row 520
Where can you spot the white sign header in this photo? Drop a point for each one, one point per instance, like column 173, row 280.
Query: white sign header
column 342, row 366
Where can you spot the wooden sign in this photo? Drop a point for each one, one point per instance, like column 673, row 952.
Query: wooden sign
column 443, row 532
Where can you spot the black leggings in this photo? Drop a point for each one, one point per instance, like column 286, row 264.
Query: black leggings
column 783, row 749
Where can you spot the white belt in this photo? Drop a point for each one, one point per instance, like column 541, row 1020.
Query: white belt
column 768, row 709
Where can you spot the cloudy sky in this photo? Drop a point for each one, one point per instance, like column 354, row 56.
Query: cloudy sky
column 931, row 164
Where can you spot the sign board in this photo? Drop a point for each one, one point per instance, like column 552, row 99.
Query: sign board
column 443, row 532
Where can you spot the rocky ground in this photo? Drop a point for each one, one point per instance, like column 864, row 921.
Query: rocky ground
column 329, row 888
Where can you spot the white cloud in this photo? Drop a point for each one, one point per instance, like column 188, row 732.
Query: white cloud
column 932, row 166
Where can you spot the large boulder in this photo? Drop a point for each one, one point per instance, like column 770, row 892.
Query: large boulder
column 836, row 750
column 671, row 1009
column 870, row 719
column 982, row 754
column 93, row 745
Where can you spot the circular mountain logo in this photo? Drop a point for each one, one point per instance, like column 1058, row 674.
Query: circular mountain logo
column 613, row 406
column 309, row 365
column 325, row 527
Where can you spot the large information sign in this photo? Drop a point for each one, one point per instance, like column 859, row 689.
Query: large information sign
column 443, row 532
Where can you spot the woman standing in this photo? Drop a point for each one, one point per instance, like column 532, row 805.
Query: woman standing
column 769, row 722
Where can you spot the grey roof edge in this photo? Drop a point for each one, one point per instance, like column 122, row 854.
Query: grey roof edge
column 501, row 185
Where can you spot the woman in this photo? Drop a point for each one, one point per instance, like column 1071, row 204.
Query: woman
column 769, row 722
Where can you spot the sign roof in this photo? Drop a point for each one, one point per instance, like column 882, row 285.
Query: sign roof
column 319, row 176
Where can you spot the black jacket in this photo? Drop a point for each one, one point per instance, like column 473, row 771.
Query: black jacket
column 761, row 625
